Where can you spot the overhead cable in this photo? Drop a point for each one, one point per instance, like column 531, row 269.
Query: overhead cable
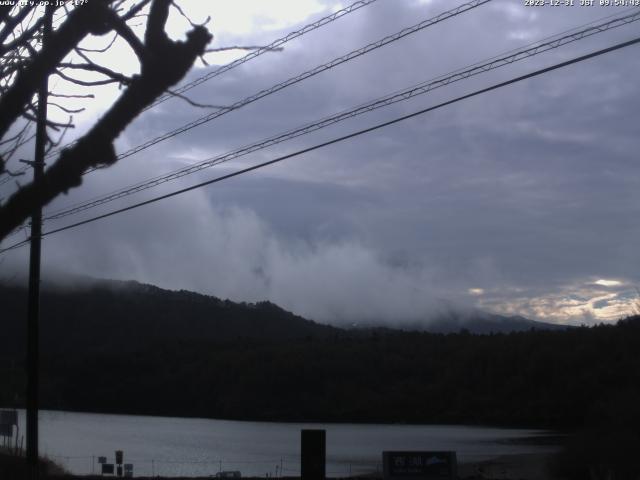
column 305, row 75
column 402, row 95
column 276, row 44
column 339, row 139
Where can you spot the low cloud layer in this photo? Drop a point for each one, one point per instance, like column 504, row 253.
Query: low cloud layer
column 232, row 253
column 521, row 201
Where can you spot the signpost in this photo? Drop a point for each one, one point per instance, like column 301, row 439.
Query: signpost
column 8, row 419
column 118, row 468
column 419, row 465
column 313, row 455
column 119, row 460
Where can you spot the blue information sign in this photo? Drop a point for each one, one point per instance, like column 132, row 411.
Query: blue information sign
column 423, row 465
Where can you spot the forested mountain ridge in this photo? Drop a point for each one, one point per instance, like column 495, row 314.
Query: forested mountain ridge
column 288, row 368
column 123, row 316
column 90, row 314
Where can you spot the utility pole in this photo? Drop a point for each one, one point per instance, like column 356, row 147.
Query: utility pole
column 33, row 308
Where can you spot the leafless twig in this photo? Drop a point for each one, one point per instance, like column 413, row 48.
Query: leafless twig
column 194, row 103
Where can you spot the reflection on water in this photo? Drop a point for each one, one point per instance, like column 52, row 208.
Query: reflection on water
column 193, row 447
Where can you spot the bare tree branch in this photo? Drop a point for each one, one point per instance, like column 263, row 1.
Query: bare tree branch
column 181, row 12
column 84, row 83
column 163, row 64
column 62, row 95
column 192, row 102
column 155, row 37
column 88, row 18
column 5, row 10
column 20, row 140
column 135, row 10
column 56, row 143
column 118, row 77
column 66, row 109
column 99, row 50
column 50, row 124
column 23, row 38
column 122, row 29
column 6, row 171
column 12, row 22
column 16, row 136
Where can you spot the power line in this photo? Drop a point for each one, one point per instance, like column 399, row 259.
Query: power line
column 497, row 61
column 8, row 177
column 305, row 75
column 276, row 44
column 340, row 139
column 272, row 46
column 399, row 96
column 254, row 54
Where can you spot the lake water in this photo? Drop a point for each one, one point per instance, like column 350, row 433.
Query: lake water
column 193, row 447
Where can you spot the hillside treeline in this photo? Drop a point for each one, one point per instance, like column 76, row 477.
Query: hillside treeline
column 538, row 378
column 554, row 379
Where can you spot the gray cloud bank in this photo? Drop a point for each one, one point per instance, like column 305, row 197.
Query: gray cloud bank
column 527, row 195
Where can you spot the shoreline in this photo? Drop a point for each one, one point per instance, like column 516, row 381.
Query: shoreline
column 520, row 466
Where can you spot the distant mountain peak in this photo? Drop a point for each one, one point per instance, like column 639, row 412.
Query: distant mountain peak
column 450, row 320
column 103, row 305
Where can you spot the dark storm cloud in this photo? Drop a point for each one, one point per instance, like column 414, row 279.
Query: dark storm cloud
column 527, row 194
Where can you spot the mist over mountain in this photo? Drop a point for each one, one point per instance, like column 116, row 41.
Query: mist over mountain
column 474, row 321
column 79, row 312
column 99, row 315
column 126, row 347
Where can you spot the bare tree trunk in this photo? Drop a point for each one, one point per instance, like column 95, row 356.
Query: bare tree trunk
column 163, row 63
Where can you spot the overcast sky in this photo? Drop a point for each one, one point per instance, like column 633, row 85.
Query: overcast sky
column 522, row 201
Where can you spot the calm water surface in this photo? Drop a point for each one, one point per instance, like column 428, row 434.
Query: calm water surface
column 193, row 447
